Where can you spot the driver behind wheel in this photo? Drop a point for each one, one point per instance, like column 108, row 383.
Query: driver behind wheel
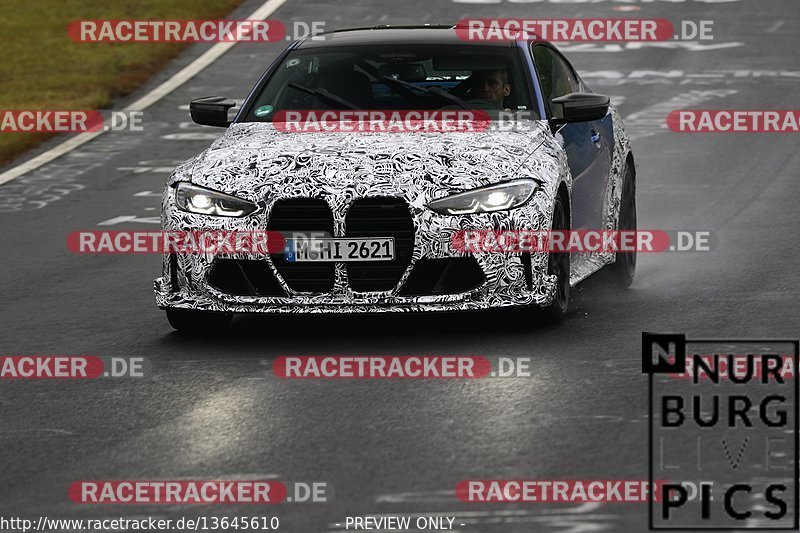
column 491, row 86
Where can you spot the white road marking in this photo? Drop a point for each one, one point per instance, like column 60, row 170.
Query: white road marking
column 142, row 170
column 192, row 136
column 775, row 27
column 34, row 433
column 689, row 46
column 178, row 79
column 680, row 77
column 122, row 219
column 652, row 120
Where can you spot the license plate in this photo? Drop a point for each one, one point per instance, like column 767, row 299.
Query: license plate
column 307, row 250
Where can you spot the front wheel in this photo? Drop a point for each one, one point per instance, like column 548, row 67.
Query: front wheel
column 202, row 322
column 624, row 268
column 558, row 263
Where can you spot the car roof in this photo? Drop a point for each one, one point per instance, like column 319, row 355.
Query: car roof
column 427, row 34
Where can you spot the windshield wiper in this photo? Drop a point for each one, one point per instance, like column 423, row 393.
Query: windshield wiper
column 325, row 95
column 432, row 90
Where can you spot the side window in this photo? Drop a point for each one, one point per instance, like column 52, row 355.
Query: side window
column 555, row 74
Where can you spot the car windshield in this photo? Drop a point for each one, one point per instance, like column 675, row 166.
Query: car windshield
column 395, row 77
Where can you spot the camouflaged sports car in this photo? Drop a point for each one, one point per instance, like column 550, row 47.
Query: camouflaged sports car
column 398, row 198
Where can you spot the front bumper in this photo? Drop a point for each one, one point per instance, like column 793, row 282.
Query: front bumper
column 502, row 291
column 508, row 278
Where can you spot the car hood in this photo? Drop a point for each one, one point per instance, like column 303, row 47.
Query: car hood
column 255, row 161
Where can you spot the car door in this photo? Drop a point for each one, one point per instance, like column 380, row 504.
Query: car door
column 588, row 145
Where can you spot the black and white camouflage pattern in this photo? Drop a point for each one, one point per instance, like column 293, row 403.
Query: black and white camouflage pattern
column 261, row 164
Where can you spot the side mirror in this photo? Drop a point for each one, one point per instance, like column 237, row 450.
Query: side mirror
column 211, row 111
column 579, row 107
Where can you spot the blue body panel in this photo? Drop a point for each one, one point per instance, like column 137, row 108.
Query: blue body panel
column 589, row 147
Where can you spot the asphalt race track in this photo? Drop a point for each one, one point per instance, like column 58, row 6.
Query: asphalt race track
column 212, row 408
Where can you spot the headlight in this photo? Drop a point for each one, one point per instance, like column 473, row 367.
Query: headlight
column 207, row 202
column 500, row 197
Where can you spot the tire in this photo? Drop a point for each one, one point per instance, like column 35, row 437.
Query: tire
column 559, row 264
column 623, row 270
column 198, row 322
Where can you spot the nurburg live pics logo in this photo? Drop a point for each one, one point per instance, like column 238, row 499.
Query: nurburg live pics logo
column 723, row 433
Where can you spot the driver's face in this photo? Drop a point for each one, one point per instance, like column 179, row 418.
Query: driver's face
column 490, row 86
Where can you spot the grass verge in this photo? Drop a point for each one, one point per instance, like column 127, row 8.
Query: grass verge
column 43, row 68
